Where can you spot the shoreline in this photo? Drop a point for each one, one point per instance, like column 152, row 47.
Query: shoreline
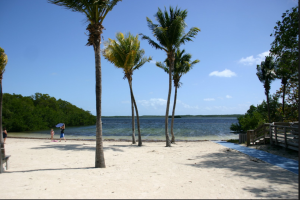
column 65, row 170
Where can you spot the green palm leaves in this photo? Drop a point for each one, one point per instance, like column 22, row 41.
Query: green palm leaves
column 182, row 65
column 3, row 60
column 125, row 52
column 170, row 30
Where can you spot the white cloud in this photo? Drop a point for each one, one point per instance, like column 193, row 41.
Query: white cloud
column 209, row 99
column 155, row 103
column 250, row 60
column 225, row 73
column 186, row 105
column 228, row 96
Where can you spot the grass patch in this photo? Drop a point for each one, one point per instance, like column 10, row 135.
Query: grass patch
column 233, row 141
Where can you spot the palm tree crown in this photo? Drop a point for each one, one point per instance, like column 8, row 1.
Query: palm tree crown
column 125, row 53
column 3, row 60
column 266, row 72
column 182, row 65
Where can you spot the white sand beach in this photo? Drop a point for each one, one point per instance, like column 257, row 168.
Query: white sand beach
column 59, row 170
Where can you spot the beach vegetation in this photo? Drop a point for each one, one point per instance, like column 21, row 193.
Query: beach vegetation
column 182, row 65
column 95, row 12
column 125, row 53
column 3, row 63
column 285, row 49
column 266, row 74
column 41, row 111
column 170, row 34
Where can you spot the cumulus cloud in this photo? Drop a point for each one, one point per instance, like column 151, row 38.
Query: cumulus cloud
column 226, row 73
column 209, row 99
column 186, row 105
column 251, row 60
column 228, row 96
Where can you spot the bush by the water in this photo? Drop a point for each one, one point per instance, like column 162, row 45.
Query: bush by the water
column 40, row 111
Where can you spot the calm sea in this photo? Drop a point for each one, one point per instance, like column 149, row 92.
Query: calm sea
column 197, row 128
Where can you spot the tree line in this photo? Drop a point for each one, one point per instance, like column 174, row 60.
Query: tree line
column 40, row 111
column 282, row 63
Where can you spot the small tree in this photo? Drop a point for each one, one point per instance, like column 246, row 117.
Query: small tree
column 266, row 74
column 3, row 62
column 170, row 34
column 125, row 53
column 182, row 65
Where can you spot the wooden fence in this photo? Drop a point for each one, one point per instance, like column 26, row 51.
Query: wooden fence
column 259, row 135
column 285, row 135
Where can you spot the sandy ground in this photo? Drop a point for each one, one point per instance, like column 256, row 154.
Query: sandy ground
column 60, row 170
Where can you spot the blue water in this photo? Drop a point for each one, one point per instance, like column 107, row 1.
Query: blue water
column 191, row 128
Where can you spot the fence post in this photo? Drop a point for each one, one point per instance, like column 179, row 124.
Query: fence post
column 270, row 130
column 275, row 129
column 285, row 140
column 248, row 138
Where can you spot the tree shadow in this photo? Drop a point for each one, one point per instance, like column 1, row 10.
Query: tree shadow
column 242, row 165
column 57, row 169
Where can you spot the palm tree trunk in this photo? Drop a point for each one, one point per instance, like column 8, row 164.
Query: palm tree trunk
column 1, row 134
column 132, row 114
column 171, row 58
column 137, row 115
column 268, row 107
column 173, row 114
column 99, row 160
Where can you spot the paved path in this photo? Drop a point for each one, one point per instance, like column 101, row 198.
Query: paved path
column 285, row 163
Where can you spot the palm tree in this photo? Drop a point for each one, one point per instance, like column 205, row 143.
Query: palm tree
column 125, row 53
column 95, row 11
column 265, row 73
column 170, row 34
column 3, row 62
column 182, row 65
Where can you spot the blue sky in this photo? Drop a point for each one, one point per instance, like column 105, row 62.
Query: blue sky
column 45, row 45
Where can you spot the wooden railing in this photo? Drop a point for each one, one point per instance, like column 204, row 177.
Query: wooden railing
column 261, row 133
column 285, row 135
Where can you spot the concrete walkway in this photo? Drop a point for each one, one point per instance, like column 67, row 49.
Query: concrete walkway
column 285, row 163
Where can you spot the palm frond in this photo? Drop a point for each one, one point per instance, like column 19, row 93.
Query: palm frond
column 189, row 35
column 152, row 43
column 162, row 66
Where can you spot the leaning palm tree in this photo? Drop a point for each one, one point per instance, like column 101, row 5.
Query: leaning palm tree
column 182, row 65
column 95, row 11
column 125, row 53
column 265, row 73
column 3, row 62
column 170, row 34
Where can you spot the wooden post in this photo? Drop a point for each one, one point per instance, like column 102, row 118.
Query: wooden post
column 270, row 130
column 275, row 129
column 248, row 138
column 1, row 158
column 285, row 140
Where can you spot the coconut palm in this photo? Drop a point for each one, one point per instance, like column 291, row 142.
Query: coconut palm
column 95, row 11
column 125, row 53
column 265, row 73
column 169, row 32
column 182, row 65
column 3, row 62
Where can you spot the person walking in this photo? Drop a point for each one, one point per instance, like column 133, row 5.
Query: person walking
column 4, row 134
column 62, row 132
column 52, row 134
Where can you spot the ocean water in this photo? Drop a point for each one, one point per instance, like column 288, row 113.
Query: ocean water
column 197, row 128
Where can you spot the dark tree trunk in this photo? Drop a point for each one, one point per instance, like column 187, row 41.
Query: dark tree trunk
column 173, row 114
column 133, row 120
column 137, row 114
column 1, row 134
column 283, row 97
column 268, row 107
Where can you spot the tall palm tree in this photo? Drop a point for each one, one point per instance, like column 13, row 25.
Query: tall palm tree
column 266, row 74
column 125, row 53
column 3, row 62
column 169, row 32
column 95, row 11
column 182, row 65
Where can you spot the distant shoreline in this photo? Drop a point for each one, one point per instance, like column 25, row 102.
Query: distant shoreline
column 176, row 116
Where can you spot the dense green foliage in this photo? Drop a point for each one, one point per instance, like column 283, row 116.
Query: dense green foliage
column 40, row 111
column 257, row 115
